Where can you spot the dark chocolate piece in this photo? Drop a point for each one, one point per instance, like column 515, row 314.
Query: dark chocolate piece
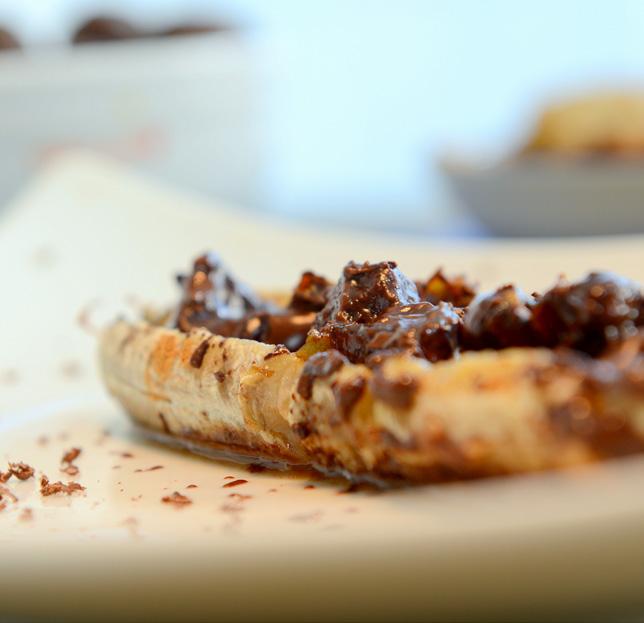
column 364, row 292
column 499, row 320
column 590, row 314
column 311, row 293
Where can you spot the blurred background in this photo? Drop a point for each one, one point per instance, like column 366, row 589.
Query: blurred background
column 415, row 116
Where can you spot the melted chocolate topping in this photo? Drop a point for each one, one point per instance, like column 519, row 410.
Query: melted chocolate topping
column 375, row 312
column 319, row 366
column 419, row 329
column 589, row 315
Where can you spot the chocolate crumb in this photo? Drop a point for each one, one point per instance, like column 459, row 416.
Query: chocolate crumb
column 191, row 487
column 235, row 483
column 220, row 376
column 256, row 468
column 177, row 499
column 154, row 468
column 124, row 455
column 47, row 488
column 6, row 493
column 71, row 455
column 309, row 486
column 229, row 478
column 70, row 470
column 20, row 470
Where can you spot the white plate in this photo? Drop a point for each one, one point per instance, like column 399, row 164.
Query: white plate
column 567, row 543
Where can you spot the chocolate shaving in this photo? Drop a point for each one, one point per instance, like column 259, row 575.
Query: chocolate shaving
column 154, row 468
column 53, row 488
column 71, row 455
column 20, row 470
column 176, row 498
column 67, row 462
column 6, row 493
column 235, row 483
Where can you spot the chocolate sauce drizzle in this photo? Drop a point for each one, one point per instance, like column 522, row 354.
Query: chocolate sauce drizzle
column 375, row 312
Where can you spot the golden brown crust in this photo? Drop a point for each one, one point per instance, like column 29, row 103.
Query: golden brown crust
column 485, row 413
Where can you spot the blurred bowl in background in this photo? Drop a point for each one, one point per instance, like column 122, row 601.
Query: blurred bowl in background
column 181, row 108
column 549, row 196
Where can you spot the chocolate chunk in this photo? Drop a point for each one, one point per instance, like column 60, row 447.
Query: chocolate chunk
column 214, row 300
column 398, row 391
column 310, row 294
column 364, row 292
column 320, row 365
column 455, row 290
column 104, row 28
column 589, row 314
column 499, row 320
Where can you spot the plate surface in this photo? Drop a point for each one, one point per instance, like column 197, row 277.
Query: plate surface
column 85, row 240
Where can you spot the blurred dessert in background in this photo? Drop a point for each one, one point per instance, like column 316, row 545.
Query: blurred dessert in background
column 599, row 124
column 105, row 28
column 8, row 40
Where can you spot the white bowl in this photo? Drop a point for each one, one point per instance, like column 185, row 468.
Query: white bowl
column 181, row 108
column 552, row 197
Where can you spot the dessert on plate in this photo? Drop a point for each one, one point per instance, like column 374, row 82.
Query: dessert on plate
column 377, row 377
column 607, row 124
